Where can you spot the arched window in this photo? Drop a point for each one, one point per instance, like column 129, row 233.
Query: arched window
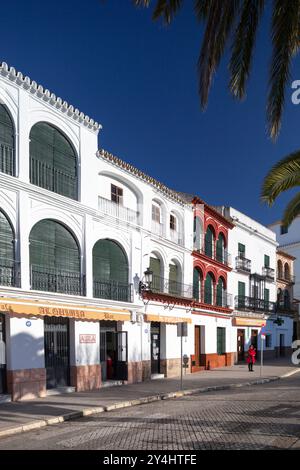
column 174, row 279
column 110, row 271
column 53, row 161
column 221, row 298
column 209, row 242
column 7, row 142
column 220, row 248
column 286, row 272
column 54, row 259
column 197, row 284
column 279, row 269
column 7, row 252
column 209, row 289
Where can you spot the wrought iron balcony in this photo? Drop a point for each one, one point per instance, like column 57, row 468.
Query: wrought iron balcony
column 206, row 296
column 176, row 237
column 7, row 159
column 9, row 273
column 113, row 290
column 269, row 273
column 285, row 277
column 118, row 211
column 48, row 177
column 161, row 285
column 209, row 250
column 52, row 280
column 251, row 303
column 243, row 264
column 157, row 228
column 286, row 307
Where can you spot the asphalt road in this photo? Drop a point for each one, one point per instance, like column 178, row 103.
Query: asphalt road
column 257, row 417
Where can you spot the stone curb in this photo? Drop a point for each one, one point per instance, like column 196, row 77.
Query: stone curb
column 139, row 401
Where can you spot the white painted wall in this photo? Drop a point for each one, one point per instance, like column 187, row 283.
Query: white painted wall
column 82, row 354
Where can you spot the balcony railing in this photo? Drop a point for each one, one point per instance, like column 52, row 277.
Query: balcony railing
column 269, row 273
column 256, row 305
column 206, row 296
column 242, row 264
column 52, row 280
column 161, row 285
column 157, row 228
column 9, row 273
column 7, row 159
column 176, row 237
column 285, row 277
column 118, row 211
column 287, row 307
column 209, row 250
column 113, row 290
column 48, row 177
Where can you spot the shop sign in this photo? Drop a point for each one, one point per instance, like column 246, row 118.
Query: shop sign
column 87, row 339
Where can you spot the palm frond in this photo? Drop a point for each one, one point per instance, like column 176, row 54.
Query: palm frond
column 167, row 9
column 283, row 176
column 141, row 3
column 202, row 8
column 220, row 19
column 285, row 40
column 291, row 211
column 243, row 45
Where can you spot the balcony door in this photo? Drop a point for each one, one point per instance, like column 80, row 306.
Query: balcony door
column 7, row 252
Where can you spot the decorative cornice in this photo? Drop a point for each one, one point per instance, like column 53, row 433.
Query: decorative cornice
column 45, row 95
column 140, row 174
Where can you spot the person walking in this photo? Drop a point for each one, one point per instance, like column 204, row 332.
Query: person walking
column 251, row 358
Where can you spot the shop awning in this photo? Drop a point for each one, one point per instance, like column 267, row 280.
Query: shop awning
column 42, row 308
column 164, row 319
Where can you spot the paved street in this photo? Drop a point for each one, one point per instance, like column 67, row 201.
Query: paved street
column 258, row 417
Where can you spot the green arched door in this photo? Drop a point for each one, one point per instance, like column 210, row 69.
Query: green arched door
column 220, row 293
column 54, row 259
column 8, row 273
column 110, row 271
column 7, row 142
column 208, row 289
column 209, row 242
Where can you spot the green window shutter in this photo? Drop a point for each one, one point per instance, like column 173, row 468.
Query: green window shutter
column 196, row 284
column 209, row 238
column 267, row 261
column 267, row 295
column 220, row 248
column 221, row 340
column 241, row 250
column 220, row 290
column 7, row 252
column 7, row 142
column 174, row 286
column 53, row 162
column 208, row 289
column 109, row 262
column 155, row 267
column 241, row 294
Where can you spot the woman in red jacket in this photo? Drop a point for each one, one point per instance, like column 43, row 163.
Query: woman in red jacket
column 251, row 357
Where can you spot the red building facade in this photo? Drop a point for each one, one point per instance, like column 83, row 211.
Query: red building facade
column 211, row 265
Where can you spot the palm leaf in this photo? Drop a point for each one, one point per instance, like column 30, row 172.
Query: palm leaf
column 285, row 39
column 243, row 45
column 220, row 19
column 283, row 176
column 292, row 210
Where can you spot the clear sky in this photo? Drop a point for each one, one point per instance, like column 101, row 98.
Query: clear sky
column 138, row 79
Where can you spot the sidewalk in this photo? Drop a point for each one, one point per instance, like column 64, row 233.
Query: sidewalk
column 27, row 415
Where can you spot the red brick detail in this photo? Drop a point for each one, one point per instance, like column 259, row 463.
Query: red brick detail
column 85, row 378
column 26, row 384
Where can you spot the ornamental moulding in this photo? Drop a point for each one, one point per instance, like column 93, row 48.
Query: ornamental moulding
column 30, row 85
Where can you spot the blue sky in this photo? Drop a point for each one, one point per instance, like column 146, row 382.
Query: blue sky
column 138, row 79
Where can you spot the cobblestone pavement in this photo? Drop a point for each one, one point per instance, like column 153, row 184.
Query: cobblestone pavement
column 259, row 417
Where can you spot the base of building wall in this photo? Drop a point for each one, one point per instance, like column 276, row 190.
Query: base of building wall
column 172, row 367
column 26, row 384
column 138, row 371
column 213, row 361
column 85, row 378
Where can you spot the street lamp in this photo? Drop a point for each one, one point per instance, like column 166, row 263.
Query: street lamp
column 145, row 284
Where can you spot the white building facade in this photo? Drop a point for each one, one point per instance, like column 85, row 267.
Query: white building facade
column 78, row 230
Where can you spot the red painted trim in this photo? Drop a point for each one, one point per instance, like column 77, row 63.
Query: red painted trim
column 165, row 298
column 212, row 307
column 210, row 315
column 209, row 260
